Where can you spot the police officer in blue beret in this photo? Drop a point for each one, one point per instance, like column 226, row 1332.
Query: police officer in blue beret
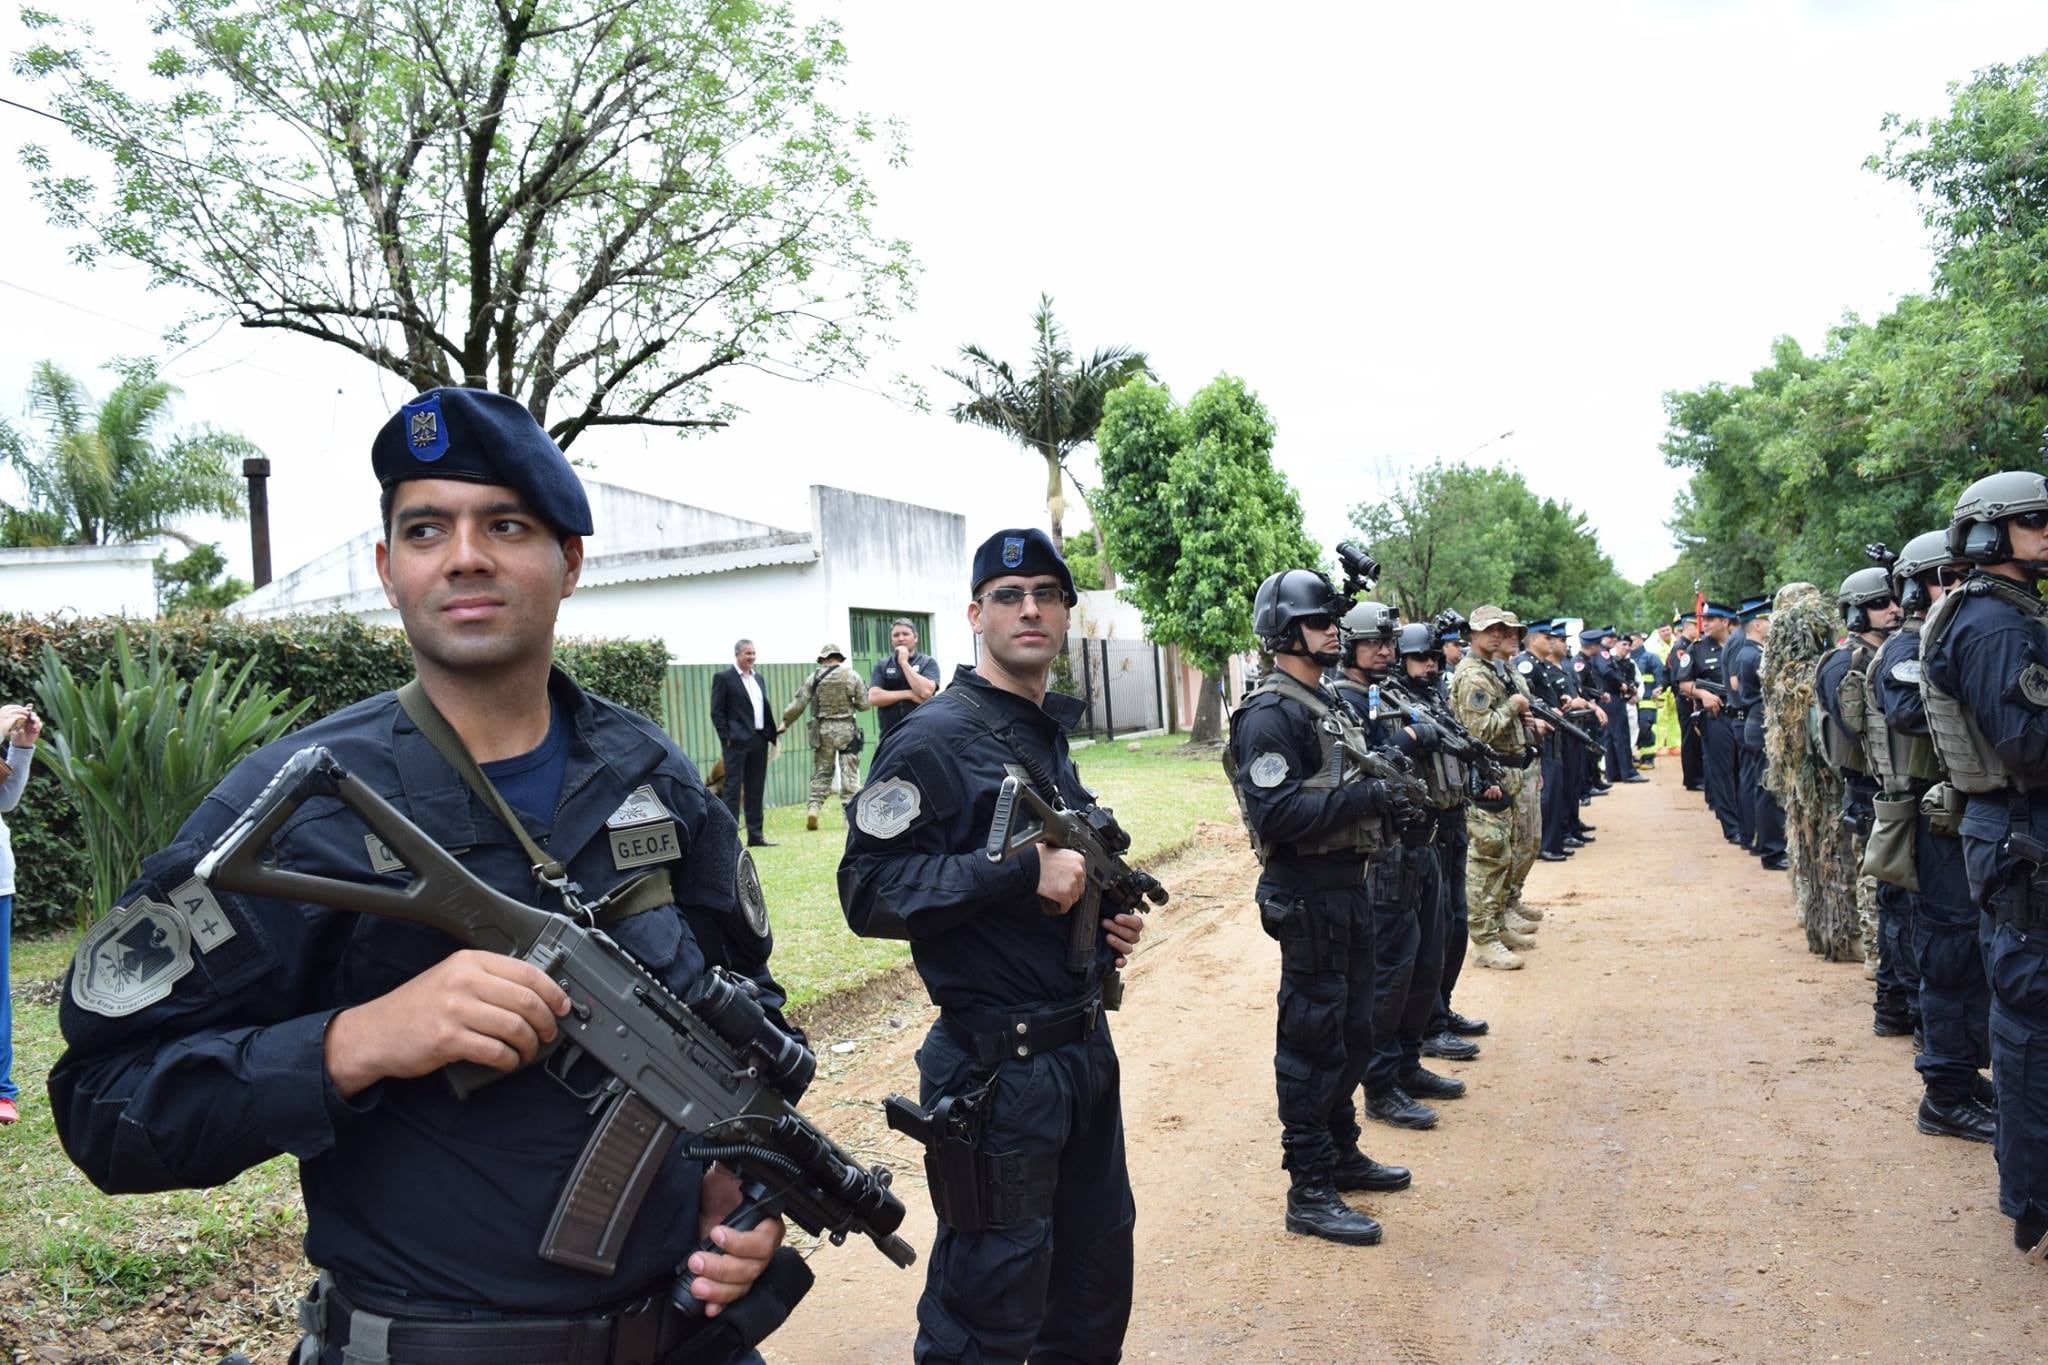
column 260, row 1026
column 1984, row 682
column 1033, row 1252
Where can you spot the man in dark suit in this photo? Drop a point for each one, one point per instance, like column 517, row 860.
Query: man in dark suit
column 745, row 721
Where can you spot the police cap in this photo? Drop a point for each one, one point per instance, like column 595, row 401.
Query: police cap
column 1718, row 609
column 1026, row 552
column 481, row 437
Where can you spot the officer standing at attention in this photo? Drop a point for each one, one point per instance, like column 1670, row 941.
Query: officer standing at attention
column 1841, row 691
column 1764, row 818
column 1402, row 881
column 1313, row 836
column 1707, row 684
column 1559, row 801
column 1932, row 928
column 1419, row 682
column 1676, row 664
column 1490, row 702
column 834, row 693
column 1575, row 757
column 270, row 1026
column 1984, row 682
column 1041, row 1267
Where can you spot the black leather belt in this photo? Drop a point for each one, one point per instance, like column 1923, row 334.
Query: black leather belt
column 999, row 1035
column 641, row 1334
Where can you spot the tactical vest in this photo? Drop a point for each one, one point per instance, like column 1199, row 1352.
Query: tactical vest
column 1899, row 760
column 1442, row 773
column 1973, row 765
column 1841, row 742
column 1334, row 729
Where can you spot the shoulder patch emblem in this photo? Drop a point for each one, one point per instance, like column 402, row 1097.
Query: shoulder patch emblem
column 2034, row 685
column 640, row 807
column 209, row 924
column 131, row 959
column 1578, row 665
column 753, row 904
column 885, row 809
column 1525, row 667
column 1267, row 770
column 1907, row 671
column 642, row 830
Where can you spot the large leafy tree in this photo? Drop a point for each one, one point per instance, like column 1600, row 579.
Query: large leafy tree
column 1196, row 512
column 1052, row 407
column 110, row 473
column 1457, row 535
column 594, row 208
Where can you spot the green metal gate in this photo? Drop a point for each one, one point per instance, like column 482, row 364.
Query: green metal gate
column 869, row 641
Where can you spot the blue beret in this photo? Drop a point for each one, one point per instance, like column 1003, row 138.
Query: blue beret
column 1718, row 609
column 1027, row 552
column 482, row 437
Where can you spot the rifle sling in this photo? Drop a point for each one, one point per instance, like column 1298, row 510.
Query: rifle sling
column 647, row 891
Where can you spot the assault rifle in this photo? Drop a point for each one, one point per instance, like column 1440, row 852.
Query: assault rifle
column 1350, row 762
column 1563, row 726
column 1100, row 840
column 714, row 1067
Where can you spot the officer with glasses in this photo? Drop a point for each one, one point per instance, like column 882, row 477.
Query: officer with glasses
column 1984, row 684
column 1033, row 1253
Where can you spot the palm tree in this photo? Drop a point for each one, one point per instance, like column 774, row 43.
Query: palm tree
column 1052, row 411
column 109, row 476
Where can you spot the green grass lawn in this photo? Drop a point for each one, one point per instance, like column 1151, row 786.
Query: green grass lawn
column 68, row 1248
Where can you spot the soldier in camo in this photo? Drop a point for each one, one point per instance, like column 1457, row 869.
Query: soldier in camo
column 1489, row 700
column 833, row 693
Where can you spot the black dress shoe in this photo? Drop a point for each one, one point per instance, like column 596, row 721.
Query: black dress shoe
column 1777, row 862
column 1430, row 1086
column 1549, row 857
column 1463, row 1027
column 1584, row 829
column 1635, row 777
column 1360, row 1172
column 1573, row 843
column 1316, row 1210
column 1400, row 1108
column 1986, row 1094
column 1694, row 787
column 1891, row 1025
column 1965, row 1119
column 761, row 843
column 1583, row 837
column 1449, row 1046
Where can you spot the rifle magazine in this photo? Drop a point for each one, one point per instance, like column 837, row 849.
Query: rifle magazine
column 605, row 1190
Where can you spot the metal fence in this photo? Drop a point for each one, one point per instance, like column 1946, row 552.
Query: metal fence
column 1123, row 683
column 686, row 715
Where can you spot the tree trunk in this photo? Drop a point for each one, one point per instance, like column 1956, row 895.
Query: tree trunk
column 1208, row 711
column 1102, row 557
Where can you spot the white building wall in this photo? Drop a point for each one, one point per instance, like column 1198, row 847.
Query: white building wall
column 82, row 580
column 700, row 617
column 878, row 554
column 1101, row 614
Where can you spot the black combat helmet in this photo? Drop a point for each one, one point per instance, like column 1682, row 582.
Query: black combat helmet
column 1860, row 591
column 1977, row 532
column 1417, row 640
column 1287, row 598
column 1929, row 550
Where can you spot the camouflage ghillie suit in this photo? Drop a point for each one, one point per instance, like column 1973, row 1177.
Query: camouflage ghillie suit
column 1824, row 878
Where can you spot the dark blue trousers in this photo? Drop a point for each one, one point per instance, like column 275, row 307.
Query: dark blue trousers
column 1766, row 818
column 1717, row 746
column 1324, row 1030
column 1955, row 996
column 1898, row 970
column 1450, row 851
column 1408, row 952
column 1618, row 739
column 1560, row 800
column 2018, row 968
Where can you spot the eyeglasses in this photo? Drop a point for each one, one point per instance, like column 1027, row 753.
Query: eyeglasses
column 1882, row 604
column 1045, row 595
column 1948, row 575
column 1315, row 622
column 2033, row 521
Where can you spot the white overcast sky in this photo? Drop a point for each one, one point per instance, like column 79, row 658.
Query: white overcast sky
column 1409, row 228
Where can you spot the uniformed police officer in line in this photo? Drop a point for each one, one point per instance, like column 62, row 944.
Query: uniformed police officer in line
column 1420, row 681
column 1589, row 716
column 1041, row 1266
column 834, row 693
column 1984, row 681
column 1932, row 927
column 259, row 1026
column 1403, row 881
column 1313, row 834
column 1690, row 768
column 1763, row 817
column 1705, row 681
column 1841, row 691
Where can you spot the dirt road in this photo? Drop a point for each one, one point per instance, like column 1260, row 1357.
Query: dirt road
column 1682, row 1143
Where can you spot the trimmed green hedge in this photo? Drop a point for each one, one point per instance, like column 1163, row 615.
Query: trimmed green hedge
column 335, row 660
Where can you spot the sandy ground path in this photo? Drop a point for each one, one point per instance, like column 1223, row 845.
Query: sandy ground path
column 1682, row 1143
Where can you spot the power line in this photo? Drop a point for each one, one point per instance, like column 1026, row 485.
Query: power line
column 138, row 144
column 132, row 326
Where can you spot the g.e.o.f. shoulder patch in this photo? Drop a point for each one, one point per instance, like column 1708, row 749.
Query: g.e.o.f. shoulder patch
column 131, row 959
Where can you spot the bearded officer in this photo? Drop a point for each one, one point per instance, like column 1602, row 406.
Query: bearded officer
column 1402, row 881
column 1931, row 930
column 274, row 1026
column 1035, row 1261
column 1984, row 681
column 1314, row 832
column 834, row 693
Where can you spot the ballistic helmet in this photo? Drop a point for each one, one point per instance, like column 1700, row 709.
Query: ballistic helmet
column 1417, row 640
column 1859, row 592
column 1928, row 550
column 1367, row 623
column 1288, row 597
column 1976, row 532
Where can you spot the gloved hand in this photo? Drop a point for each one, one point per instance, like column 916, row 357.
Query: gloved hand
column 1428, row 738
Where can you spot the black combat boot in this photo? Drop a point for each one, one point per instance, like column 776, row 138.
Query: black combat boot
column 1360, row 1172
column 1398, row 1107
column 1427, row 1085
column 1315, row 1210
column 1985, row 1092
column 1891, row 1025
column 1463, row 1027
column 1964, row 1118
column 1449, row 1046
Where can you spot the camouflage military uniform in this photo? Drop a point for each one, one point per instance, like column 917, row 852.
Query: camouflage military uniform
column 1502, row 843
column 833, row 693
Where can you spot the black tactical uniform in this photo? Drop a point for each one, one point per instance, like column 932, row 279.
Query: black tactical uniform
column 1707, row 665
